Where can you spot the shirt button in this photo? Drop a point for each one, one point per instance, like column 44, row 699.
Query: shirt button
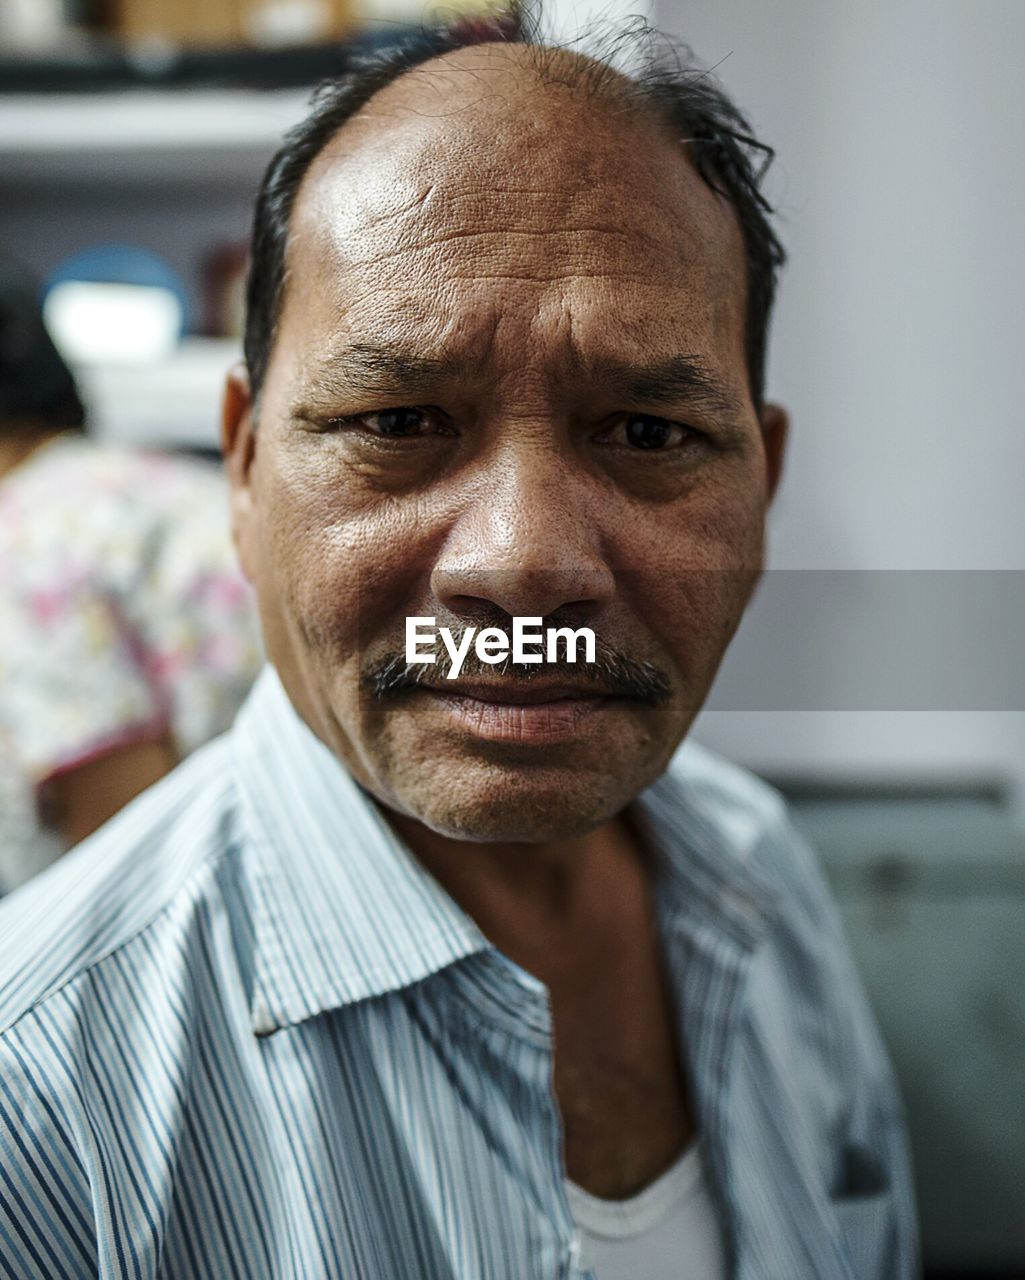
column 575, row 1250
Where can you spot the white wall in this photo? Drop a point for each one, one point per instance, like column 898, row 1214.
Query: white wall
column 899, row 341
column 566, row 19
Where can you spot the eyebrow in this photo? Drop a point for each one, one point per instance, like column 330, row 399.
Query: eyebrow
column 370, row 368
column 680, row 379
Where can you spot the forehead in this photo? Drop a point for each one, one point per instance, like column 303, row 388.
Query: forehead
column 475, row 190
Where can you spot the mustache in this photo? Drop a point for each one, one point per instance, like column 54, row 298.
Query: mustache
column 613, row 672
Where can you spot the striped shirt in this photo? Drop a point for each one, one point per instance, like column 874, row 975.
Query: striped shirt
column 243, row 1033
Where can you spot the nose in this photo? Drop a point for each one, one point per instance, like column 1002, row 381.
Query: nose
column 528, row 544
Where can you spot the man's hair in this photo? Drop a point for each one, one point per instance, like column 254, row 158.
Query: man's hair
column 681, row 96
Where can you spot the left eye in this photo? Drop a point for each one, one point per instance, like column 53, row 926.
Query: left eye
column 642, row 431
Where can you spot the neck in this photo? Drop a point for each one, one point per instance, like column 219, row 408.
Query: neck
column 521, row 893
column 18, row 447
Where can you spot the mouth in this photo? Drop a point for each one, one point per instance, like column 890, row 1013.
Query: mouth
column 534, row 712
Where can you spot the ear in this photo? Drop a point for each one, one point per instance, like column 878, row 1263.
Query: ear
column 775, row 424
column 238, row 445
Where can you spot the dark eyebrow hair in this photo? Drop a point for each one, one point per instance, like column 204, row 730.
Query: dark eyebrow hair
column 371, row 368
column 382, row 368
column 681, row 379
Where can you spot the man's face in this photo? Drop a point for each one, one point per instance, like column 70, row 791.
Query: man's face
column 509, row 380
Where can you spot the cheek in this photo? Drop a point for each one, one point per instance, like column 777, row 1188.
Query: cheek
column 697, row 566
column 695, row 615
column 718, row 523
column 338, row 568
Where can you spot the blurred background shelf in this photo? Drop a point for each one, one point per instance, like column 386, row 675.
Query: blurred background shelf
column 57, row 124
column 96, row 64
column 156, row 110
column 161, row 137
column 169, row 171
column 172, row 402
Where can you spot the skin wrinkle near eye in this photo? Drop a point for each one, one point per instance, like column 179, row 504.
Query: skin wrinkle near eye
column 677, row 375
column 366, row 369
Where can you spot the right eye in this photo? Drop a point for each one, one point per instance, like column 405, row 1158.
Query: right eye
column 403, row 423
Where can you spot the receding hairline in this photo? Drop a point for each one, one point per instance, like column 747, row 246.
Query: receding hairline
column 550, row 66
column 540, row 68
column 633, row 71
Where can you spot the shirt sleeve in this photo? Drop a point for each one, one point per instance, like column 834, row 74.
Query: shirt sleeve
column 75, row 683
column 125, row 617
column 47, row 1223
column 193, row 612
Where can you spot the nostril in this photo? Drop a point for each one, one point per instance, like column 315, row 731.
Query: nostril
column 478, row 611
column 523, row 592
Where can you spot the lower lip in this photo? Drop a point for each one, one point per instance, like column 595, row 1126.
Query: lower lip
column 531, row 724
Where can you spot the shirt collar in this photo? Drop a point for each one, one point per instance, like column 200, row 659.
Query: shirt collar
column 705, row 821
column 342, row 911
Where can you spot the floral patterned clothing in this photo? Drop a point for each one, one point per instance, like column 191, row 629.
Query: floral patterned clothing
column 123, row 618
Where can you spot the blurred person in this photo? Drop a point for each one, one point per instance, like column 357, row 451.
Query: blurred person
column 412, row 976
column 127, row 633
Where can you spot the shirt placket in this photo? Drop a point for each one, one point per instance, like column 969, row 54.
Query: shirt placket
column 510, row 1010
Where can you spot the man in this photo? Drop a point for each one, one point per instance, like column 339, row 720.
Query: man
column 411, row 976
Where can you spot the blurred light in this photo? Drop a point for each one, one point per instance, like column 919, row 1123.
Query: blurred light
column 115, row 323
column 283, row 22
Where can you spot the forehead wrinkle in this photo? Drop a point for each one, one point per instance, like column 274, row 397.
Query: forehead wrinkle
column 428, row 172
column 483, row 259
column 438, row 206
column 437, row 192
column 547, row 235
column 624, row 360
column 385, row 365
column 456, row 211
column 459, row 331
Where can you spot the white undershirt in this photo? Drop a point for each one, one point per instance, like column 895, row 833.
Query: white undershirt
column 668, row 1232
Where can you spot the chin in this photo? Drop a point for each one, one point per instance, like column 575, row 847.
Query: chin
column 508, row 807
